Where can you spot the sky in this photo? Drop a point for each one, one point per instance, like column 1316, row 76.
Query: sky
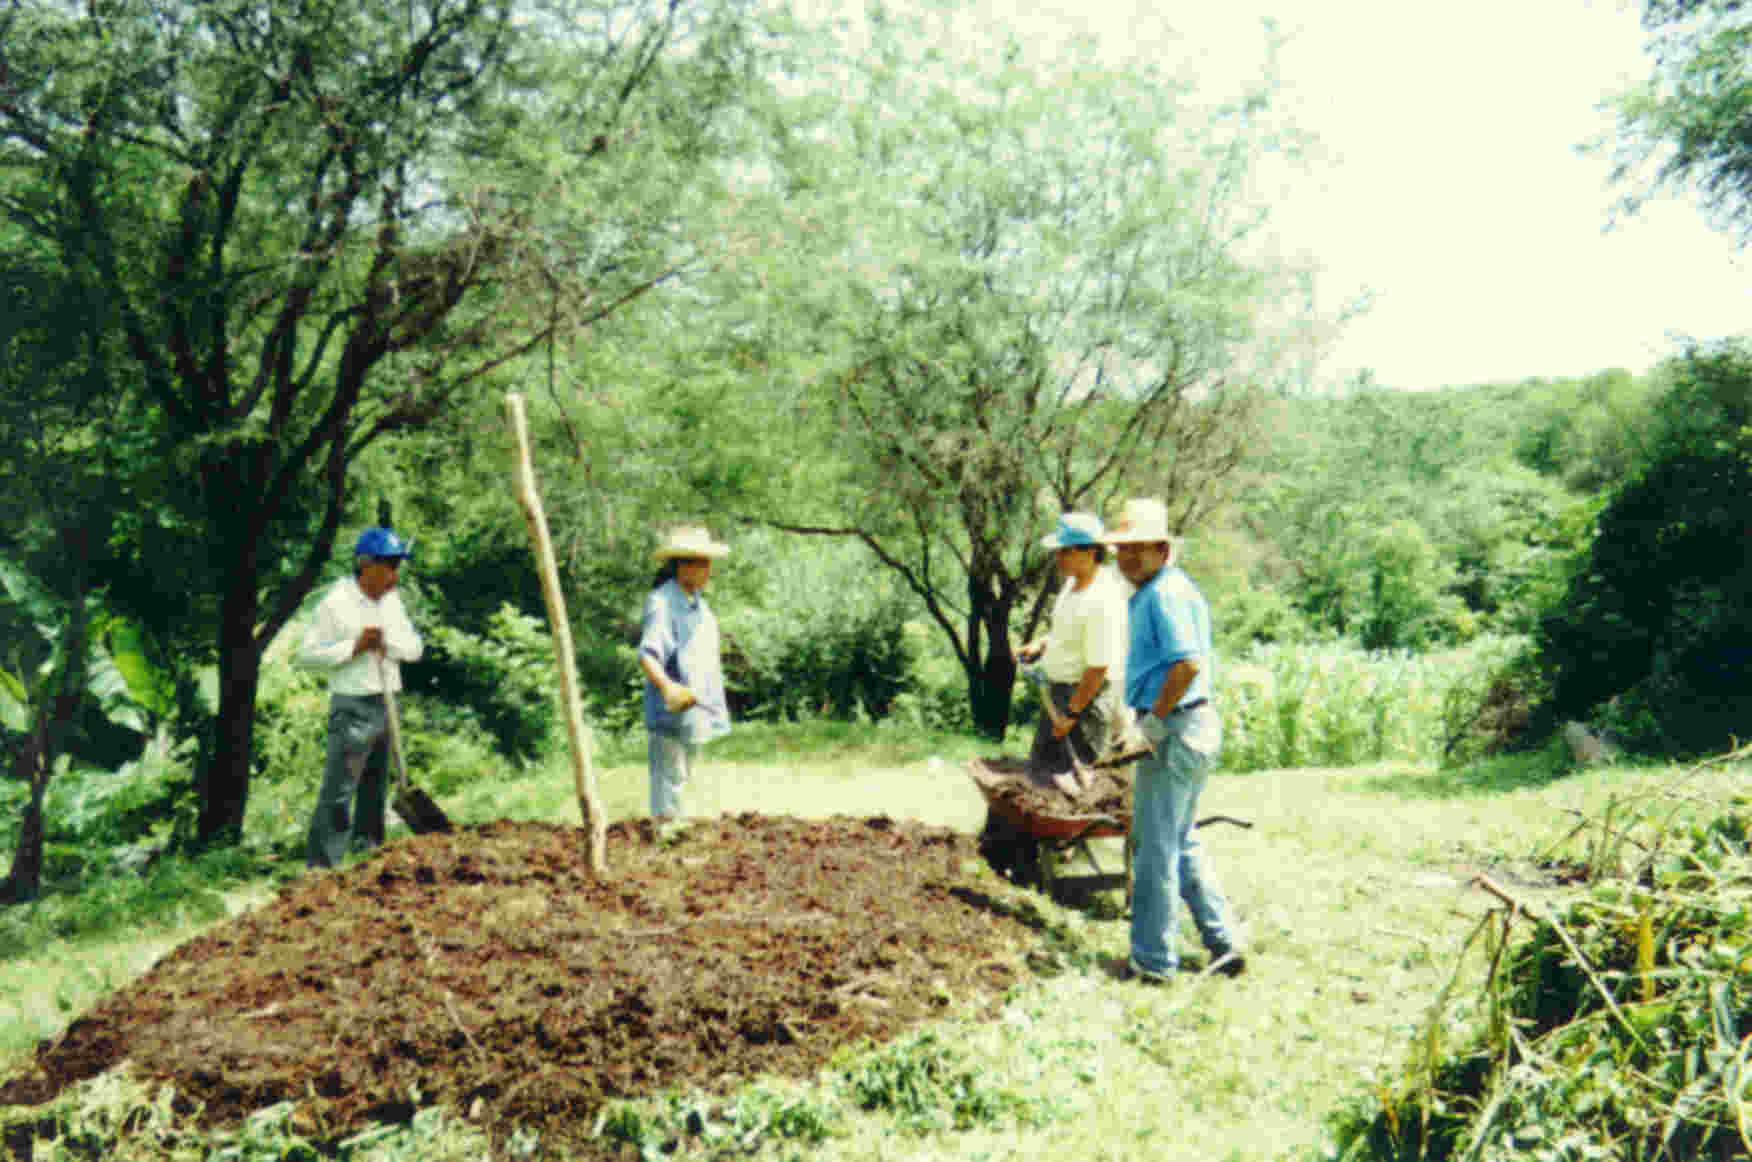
column 1447, row 185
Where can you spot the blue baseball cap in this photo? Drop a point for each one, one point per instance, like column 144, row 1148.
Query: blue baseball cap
column 378, row 541
column 1076, row 530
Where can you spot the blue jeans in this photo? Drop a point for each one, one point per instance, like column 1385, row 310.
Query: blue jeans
column 671, row 761
column 1169, row 863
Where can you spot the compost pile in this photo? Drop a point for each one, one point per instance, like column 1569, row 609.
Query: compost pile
column 488, row 972
column 1618, row 1024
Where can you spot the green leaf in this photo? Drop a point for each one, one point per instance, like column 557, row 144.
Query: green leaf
column 147, row 684
column 106, row 683
column 14, row 702
column 29, row 594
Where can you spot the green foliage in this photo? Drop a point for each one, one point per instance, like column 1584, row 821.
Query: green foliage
column 114, row 1118
column 925, row 1086
column 1404, row 521
column 304, row 230
column 935, row 697
column 812, row 632
column 757, row 1117
column 1587, row 433
column 1336, row 705
column 993, row 289
column 169, row 891
column 1689, row 122
column 291, row 716
column 502, row 681
column 1488, row 708
column 1616, row 1028
column 1653, row 638
column 1406, row 608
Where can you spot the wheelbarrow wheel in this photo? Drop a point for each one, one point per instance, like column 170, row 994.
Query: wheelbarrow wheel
column 1009, row 851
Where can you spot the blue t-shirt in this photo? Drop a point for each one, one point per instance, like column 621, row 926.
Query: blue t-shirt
column 681, row 633
column 1169, row 621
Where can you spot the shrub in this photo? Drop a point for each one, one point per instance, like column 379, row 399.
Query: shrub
column 501, row 681
column 1653, row 638
column 811, row 631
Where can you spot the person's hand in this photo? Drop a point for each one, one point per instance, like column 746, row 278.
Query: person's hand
column 678, row 697
column 1030, row 652
column 1064, row 726
column 370, row 638
column 1153, row 728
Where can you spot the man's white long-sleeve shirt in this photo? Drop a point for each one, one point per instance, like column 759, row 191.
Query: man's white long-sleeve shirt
column 340, row 616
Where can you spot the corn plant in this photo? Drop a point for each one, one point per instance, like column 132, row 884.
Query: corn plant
column 1338, row 705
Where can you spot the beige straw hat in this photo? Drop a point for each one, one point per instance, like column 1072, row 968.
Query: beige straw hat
column 688, row 541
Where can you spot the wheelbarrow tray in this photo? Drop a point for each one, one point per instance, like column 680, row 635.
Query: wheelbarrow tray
column 993, row 778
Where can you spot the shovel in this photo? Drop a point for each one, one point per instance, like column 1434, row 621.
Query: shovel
column 1070, row 782
column 417, row 809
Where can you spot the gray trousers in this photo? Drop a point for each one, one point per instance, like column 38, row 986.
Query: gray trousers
column 355, row 781
column 1086, row 742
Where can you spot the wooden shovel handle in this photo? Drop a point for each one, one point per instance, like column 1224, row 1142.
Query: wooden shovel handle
column 395, row 746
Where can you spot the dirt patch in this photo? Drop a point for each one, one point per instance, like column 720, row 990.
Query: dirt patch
column 490, row 973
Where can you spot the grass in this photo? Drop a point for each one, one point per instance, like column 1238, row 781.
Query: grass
column 1352, row 884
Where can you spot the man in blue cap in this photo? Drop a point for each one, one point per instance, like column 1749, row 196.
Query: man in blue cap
column 359, row 635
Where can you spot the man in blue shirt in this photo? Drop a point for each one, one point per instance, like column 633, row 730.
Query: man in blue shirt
column 1168, row 671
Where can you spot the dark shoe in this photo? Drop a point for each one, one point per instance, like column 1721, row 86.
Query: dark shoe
column 1137, row 972
column 1228, row 962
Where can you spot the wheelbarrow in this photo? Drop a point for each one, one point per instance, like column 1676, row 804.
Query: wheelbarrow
column 1057, row 837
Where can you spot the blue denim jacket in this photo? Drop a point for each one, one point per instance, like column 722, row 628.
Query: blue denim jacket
column 681, row 633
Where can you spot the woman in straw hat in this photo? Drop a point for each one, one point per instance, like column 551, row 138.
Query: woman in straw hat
column 685, row 705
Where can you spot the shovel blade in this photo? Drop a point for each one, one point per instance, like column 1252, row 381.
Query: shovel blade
column 421, row 812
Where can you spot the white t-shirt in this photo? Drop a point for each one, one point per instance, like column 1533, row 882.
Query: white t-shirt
column 1088, row 629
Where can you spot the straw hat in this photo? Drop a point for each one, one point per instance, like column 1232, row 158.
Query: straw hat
column 1143, row 520
column 1075, row 530
column 688, row 541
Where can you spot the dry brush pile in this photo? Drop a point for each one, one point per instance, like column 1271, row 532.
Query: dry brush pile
column 1615, row 1024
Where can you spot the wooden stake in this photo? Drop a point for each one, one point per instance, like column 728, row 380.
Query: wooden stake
column 595, row 825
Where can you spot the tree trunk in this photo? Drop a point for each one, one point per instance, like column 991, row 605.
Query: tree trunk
column 35, row 759
column 223, row 780
column 25, row 882
column 991, row 666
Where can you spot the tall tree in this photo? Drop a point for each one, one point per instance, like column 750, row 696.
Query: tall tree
column 314, row 224
column 1008, row 291
column 1691, row 121
column 58, row 424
